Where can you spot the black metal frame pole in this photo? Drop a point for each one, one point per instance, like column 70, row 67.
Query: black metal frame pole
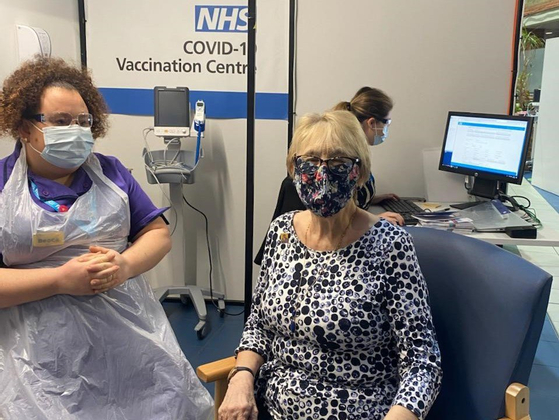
column 517, row 36
column 291, row 69
column 82, row 20
column 251, row 91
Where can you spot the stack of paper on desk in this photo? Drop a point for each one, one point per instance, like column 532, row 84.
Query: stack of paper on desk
column 447, row 220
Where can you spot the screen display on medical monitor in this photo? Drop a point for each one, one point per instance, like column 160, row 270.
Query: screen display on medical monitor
column 172, row 107
column 488, row 146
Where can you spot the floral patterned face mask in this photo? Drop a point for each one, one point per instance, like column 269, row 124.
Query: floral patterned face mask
column 325, row 189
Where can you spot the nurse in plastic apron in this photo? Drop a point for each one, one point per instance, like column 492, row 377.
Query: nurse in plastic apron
column 81, row 333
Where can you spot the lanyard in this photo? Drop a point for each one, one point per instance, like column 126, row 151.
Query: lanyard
column 61, row 208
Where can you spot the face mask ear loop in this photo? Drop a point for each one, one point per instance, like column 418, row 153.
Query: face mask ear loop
column 33, row 124
column 30, row 145
column 375, row 127
column 354, row 195
column 26, row 140
column 355, row 192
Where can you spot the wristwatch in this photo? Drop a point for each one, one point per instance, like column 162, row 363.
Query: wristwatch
column 236, row 369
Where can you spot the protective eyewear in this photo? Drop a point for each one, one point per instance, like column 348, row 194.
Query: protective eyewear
column 386, row 121
column 64, row 119
column 339, row 165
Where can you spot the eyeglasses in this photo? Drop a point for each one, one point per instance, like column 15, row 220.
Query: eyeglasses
column 386, row 121
column 339, row 165
column 64, row 119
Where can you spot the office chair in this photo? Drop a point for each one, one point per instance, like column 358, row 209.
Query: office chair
column 488, row 308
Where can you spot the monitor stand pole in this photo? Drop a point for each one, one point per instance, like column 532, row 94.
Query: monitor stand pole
column 178, row 258
column 486, row 188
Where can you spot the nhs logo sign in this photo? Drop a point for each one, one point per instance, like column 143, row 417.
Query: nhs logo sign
column 221, row 19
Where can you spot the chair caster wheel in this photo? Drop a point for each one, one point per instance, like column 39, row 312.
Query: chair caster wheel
column 202, row 329
column 185, row 299
column 203, row 332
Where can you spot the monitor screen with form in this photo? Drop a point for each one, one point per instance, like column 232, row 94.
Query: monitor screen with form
column 489, row 147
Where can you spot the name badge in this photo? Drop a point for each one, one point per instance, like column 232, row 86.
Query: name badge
column 44, row 239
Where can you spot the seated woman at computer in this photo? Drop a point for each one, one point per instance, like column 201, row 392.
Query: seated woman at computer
column 340, row 325
column 372, row 109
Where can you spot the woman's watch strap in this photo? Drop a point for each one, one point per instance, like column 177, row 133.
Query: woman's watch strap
column 237, row 369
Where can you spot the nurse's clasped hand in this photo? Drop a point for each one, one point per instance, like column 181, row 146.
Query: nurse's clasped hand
column 88, row 274
column 117, row 277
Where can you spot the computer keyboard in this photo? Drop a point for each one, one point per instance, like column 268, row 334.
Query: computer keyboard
column 406, row 208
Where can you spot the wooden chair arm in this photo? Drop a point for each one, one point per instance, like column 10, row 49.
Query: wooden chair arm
column 517, row 402
column 214, row 371
column 217, row 372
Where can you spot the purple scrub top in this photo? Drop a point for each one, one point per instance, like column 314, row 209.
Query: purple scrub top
column 142, row 209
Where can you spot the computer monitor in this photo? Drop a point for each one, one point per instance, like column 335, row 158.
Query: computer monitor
column 172, row 112
column 491, row 148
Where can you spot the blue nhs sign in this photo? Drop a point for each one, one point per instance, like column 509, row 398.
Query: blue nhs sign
column 221, row 19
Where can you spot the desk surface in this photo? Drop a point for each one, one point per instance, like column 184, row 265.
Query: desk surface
column 547, row 236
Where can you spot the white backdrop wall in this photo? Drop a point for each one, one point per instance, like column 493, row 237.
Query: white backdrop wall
column 58, row 17
column 430, row 56
column 546, row 144
column 152, row 33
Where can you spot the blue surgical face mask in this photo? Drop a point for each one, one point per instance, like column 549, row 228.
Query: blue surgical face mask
column 66, row 147
column 380, row 138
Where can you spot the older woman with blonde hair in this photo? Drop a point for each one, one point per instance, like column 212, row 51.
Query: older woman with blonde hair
column 340, row 326
column 372, row 109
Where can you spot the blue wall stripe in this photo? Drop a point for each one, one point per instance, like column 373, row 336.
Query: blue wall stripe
column 269, row 106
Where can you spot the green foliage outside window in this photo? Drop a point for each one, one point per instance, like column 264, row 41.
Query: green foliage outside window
column 528, row 43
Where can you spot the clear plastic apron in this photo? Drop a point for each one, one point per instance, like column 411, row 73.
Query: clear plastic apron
column 108, row 356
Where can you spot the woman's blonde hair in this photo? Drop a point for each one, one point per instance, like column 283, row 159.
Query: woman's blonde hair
column 333, row 133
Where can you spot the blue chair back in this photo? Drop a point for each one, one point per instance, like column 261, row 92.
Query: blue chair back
column 488, row 308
